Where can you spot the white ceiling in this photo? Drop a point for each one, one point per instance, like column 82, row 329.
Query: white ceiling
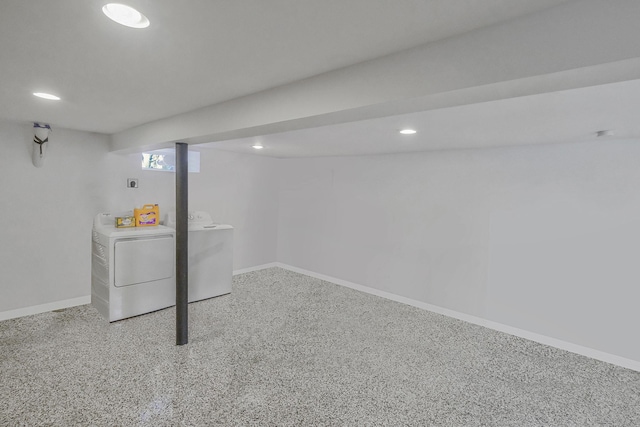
column 202, row 52
column 558, row 117
column 112, row 78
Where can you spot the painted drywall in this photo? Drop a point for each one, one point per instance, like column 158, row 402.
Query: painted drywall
column 537, row 238
column 47, row 212
column 543, row 239
column 237, row 189
column 45, row 244
column 241, row 190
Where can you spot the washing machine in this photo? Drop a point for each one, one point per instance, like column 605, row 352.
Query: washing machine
column 210, row 258
column 132, row 269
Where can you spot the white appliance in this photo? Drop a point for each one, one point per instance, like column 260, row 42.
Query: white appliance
column 210, row 255
column 132, row 269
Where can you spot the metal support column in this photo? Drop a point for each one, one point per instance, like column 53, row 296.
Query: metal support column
column 182, row 239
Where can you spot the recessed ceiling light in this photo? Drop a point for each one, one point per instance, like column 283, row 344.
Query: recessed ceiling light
column 602, row 133
column 125, row 15
column 46, row 96
column 408, row 131
column 257, row 146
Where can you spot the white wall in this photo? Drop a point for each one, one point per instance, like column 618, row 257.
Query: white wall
column 241, row 190
column 47, row 213
column 539, row 238
column 45, row 239
column 236, row 189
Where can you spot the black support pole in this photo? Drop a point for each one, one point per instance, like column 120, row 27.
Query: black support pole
column 182, row 239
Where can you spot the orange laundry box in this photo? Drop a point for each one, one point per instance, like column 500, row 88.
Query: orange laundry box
column 147, row 215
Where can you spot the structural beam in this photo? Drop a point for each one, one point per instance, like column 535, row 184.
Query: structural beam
column 182, row 240
column 555, row 49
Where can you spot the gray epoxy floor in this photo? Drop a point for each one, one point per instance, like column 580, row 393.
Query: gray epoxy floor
column 288, row 350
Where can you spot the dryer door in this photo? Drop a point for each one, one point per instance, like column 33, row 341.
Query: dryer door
column 141, row 260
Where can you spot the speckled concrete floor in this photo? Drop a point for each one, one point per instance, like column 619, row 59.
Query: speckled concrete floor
column 288, row 350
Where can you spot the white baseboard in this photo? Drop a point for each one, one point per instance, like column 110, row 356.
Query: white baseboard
column 42, row 308
column 542, row 339
column 532, row 336
column 255, row 268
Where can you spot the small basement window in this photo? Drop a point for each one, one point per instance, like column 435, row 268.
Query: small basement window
column 165, row 160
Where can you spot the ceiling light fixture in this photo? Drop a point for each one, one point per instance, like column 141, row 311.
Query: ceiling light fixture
column 408, row 131
column 125, row 15
column 603, row 133
column 257, row 146
column 44, row 95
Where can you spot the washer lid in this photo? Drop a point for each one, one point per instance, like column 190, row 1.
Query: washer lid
column 209, row 227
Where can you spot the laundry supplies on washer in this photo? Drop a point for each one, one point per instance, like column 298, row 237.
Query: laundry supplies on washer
column 147, row 215
column 125, row 221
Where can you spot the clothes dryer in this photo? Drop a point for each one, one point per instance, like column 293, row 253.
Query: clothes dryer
column 132, row 269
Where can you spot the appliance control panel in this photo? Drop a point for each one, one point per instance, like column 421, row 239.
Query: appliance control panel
column 194, row 218
column 199, row 217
